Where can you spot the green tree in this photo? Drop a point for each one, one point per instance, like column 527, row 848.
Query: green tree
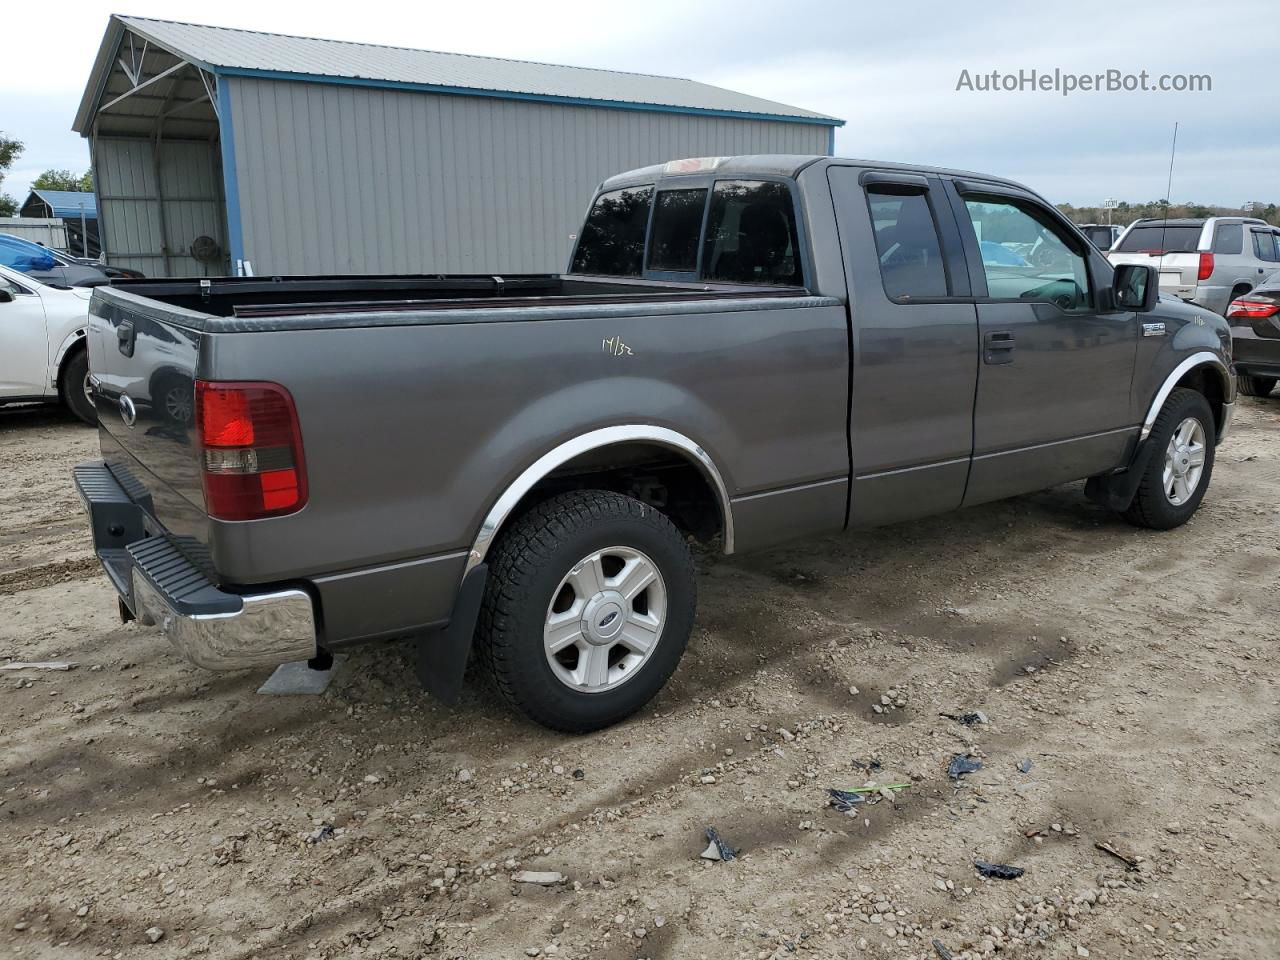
column 9, row 150
column 64, row 180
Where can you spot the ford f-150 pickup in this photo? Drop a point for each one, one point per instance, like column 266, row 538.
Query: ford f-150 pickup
column 743, row 351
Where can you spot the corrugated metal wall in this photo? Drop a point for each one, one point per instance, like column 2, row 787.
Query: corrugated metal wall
column 346, row 179
column 129, row 204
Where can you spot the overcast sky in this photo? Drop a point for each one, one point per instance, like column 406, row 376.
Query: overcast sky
column 891, row 72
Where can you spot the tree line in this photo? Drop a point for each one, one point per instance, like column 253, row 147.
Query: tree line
column 10, row 150
column 1125, row 212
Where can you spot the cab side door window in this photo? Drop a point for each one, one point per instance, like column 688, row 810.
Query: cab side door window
column 1026, row 257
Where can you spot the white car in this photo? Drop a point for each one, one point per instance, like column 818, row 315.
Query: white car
column 42, row 343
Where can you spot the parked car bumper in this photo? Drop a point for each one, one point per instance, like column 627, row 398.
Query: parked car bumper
column 1211, row 297
column 160, row 586
column 1253, row 355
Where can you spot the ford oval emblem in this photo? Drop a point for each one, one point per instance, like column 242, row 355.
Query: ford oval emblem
column 128, row 412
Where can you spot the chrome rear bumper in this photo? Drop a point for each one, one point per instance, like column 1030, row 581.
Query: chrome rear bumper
column 160, row 586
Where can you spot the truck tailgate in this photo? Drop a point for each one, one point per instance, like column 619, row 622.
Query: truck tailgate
column 143, row 368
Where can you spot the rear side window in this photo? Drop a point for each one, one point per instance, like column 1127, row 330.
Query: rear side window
column 677, row 224
column 907, row 245
column 1228, row 238
column 1162, row 239
column 751, row 234
column 1264, row 245
column 612, row 241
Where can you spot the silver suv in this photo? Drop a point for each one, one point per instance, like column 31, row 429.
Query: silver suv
column 1207, row 260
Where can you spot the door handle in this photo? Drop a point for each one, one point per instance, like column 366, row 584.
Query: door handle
column 998, row 347
column 126, row 337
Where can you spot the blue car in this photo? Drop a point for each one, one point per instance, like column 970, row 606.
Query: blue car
column 1000, row 255
column 42, row 264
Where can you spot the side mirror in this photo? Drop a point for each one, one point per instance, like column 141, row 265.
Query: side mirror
column 1136, row 286
column 6, row 296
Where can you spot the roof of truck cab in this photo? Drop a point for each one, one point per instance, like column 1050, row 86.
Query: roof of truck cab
column 783, row 165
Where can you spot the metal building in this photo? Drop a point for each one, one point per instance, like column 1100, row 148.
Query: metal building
column 214, row 147
column 77, row 209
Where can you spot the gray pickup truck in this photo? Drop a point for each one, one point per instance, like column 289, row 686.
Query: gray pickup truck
column 744, row 351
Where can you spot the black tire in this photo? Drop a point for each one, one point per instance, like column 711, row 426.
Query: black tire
column 1252, row 386
column 71, row 387
column 526, row 569
column 1152, row 507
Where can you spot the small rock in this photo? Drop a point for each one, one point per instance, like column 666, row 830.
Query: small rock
column 1174, row 827
column 706, row 778
column 639, row 933
column 558, row 770
column 659, row 921
column 1081, row 952
column 533, row 951
column 21, row 925
column 544, row 878
column 155, row 934
column 853, row 691
column 372, row 778
column 579, row 774
column 464, row 776
column 786, row 734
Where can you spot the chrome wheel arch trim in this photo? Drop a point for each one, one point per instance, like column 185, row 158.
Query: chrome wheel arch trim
column 594, row 440
column 1171, row 381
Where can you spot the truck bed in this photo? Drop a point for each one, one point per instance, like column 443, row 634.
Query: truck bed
column 265, row 298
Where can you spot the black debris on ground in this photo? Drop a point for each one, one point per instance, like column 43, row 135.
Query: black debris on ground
column 844, row 800
column 998, row 871
column 963, row 763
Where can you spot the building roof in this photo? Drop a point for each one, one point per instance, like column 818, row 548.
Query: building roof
column 223, row 50
column 66, row 203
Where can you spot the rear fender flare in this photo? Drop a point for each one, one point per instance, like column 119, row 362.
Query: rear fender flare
column 593, row 440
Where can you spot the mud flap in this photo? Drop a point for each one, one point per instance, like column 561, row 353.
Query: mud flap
column 442, row 655
column 1116, row 491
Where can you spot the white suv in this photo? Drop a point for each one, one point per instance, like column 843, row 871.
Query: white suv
column 1207, row 260
column 42, row 343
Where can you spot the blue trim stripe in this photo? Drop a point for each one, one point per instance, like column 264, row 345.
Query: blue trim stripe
column 230, row 183
column 831, row 141
column 513, row 95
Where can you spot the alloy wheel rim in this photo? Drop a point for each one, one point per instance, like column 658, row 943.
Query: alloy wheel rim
column 1184, row 459
column 87, row 387
column 605, row 619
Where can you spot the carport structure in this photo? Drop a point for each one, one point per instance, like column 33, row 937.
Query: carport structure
column 151, row 116
column 298, row 155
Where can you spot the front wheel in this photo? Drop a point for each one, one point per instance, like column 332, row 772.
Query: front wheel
column 1177, row 474
column 75, row 388
column 587, row 609
column 1252, row 386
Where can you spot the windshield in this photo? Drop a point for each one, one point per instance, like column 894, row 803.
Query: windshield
column 25, row 256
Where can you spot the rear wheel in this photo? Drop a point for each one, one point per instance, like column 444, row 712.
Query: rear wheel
column 74, row 387
column 1252, row 386
column 587, row 609
column 1178, row 472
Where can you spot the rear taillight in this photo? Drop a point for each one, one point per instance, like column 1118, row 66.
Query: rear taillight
column 250, row 450
column 1206, row 267
column 1252, row 309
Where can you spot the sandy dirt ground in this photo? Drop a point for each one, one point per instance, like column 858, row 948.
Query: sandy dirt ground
column 1129, row 679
